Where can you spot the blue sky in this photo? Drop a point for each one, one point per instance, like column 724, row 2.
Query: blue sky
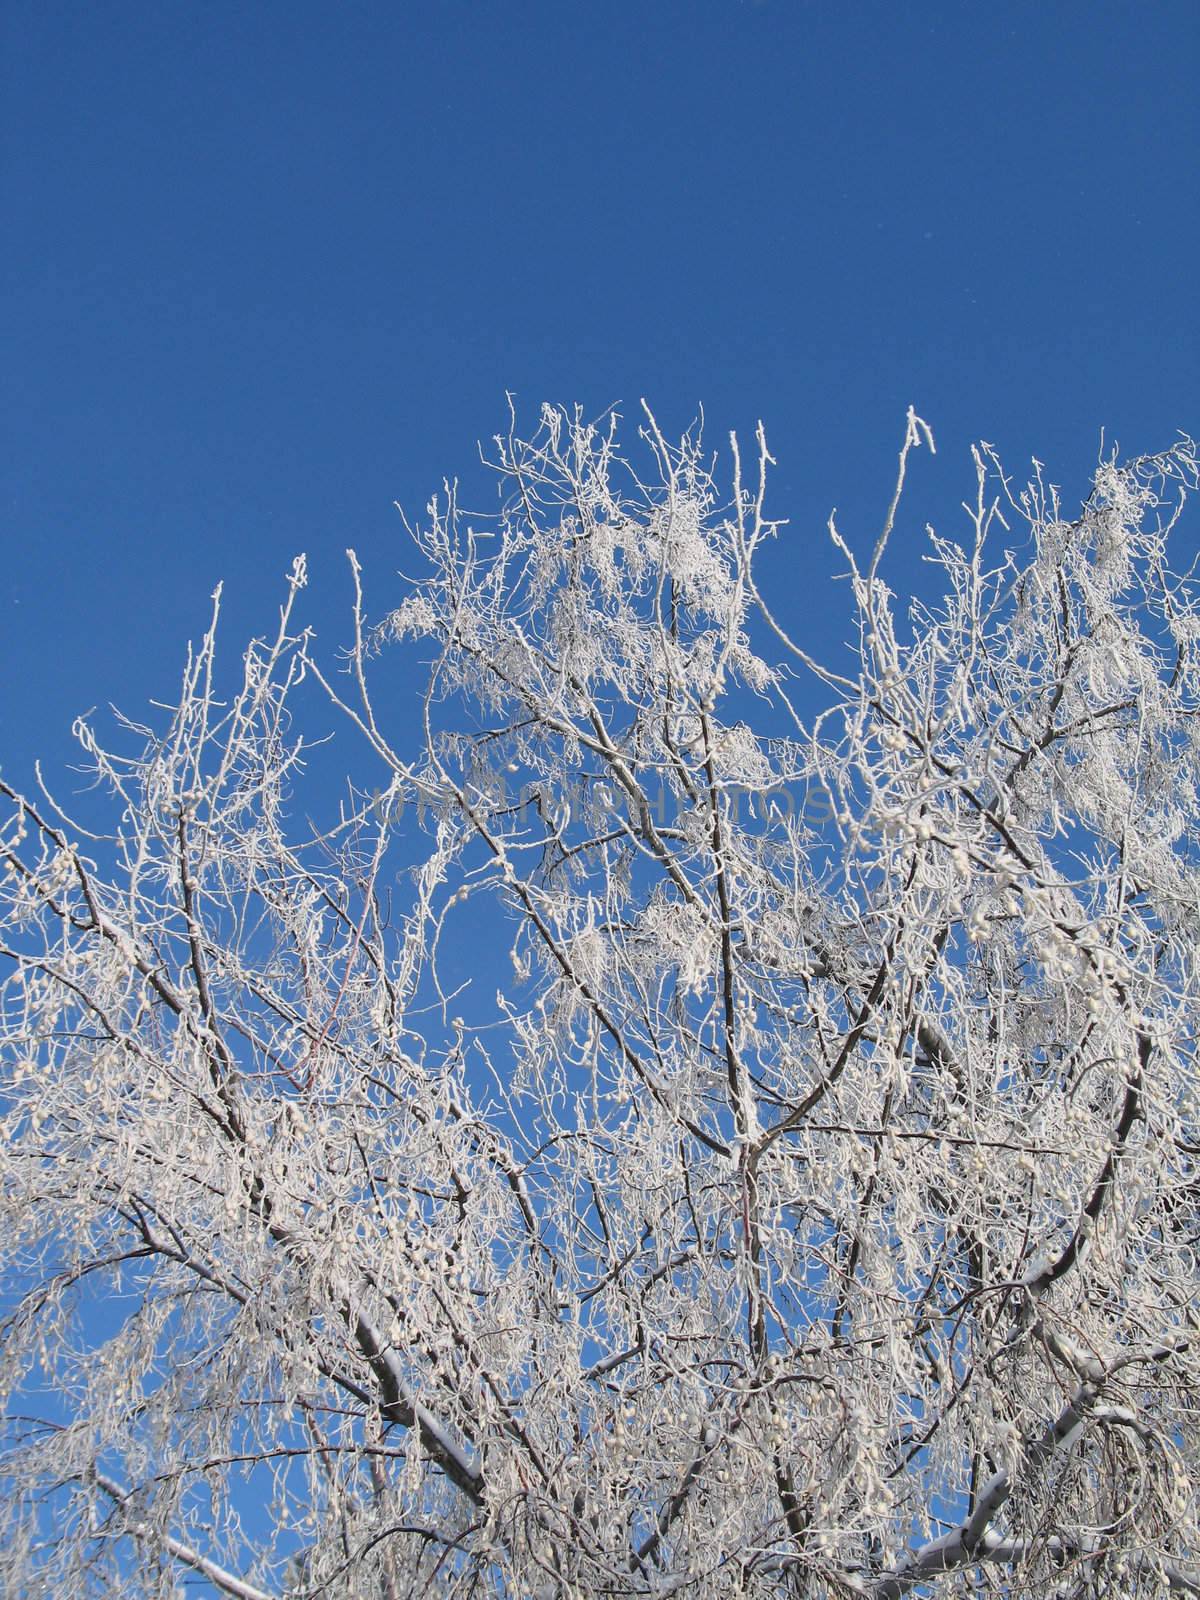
column 270, row 267
column 273, row 266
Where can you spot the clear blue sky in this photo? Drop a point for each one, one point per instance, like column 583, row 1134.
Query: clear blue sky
column 273, row 266
column 269, row 267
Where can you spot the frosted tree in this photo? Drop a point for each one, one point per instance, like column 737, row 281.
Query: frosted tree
column 814, row 1211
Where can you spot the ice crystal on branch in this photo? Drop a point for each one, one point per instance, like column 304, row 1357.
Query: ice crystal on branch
column 813, row 1213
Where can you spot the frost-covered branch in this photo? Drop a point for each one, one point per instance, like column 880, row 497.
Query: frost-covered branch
column 687, row 1119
